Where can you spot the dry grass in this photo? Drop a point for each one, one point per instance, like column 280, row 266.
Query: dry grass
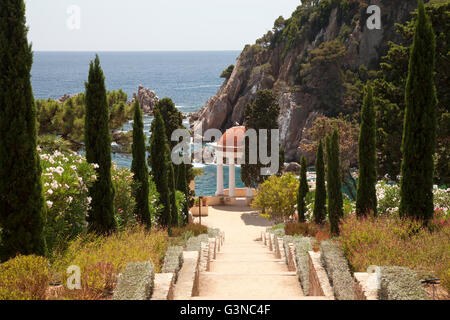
column 397, row 242
column 101, row 259
column 24, row 278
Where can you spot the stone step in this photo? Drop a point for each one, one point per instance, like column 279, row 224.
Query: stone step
column 248, row 267
column 247, row 256
column 256, row 284
column 254, row 274
column 268, row 297
column 163, row 286
column 248, row 260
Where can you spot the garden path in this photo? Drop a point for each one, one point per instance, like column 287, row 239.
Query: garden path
column 245, row 269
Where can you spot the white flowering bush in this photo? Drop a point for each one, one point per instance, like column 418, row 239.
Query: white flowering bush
column 388, row 196
column 124, row 202
column 66, row 178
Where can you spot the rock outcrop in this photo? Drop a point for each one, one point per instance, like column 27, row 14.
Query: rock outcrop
column 277, row 67
column 147, row 99
column 64, row 98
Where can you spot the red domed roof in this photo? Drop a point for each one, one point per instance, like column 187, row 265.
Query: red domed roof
column 235, row 134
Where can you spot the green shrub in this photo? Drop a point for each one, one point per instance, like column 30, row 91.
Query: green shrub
column 401, row 284
column 136, row 282
column 173, row 261
column 24, row 278
column 338, row 270
column 277, row 197
column 306, row 229
column 213, row 233
column 196, row 229
column 195, row 243
column 226, row 74
column 302, row 247
column 124, row 201
column 278, row 226
column 65, row 178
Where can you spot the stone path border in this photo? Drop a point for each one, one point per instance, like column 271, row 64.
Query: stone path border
column 319, row 284
column 195, row 262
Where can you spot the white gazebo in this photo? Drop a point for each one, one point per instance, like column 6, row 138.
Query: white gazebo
column 229, row 150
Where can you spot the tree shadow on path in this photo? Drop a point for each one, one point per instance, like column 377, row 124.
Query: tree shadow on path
column 254, row 219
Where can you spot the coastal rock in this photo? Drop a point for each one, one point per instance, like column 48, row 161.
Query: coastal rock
column 293, row 167
column 64, row 98
column 147, row 99
column 274, row 67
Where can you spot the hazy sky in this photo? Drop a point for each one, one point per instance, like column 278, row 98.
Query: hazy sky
column 152, row 24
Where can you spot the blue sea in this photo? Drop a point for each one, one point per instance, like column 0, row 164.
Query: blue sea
column 188, row 78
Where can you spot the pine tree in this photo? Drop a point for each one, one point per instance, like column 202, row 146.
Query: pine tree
column 321, row 191
column 182, row 186
column 334, row 183
column 366, row 200
column 302, row 191
column 159, row 167
column 98, row 151
column 139, row 169
column 261, row 115
column 22, row 208
column 419, row 133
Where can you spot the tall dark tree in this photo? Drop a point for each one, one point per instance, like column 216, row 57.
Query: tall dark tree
column 321, row 191
column 261, row 115
column 366, row 199
column 419, row 133
column 22, row 209
column 172, row 190
column 172, row 117
column 173, row 120
column 98, row 151
column 182, row 186
column 389, row 94
column 303, row 190
column 139, row 169
column 334, row 183
column 159, row 167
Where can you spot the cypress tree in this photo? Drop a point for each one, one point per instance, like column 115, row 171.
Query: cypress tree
column 419, row 133
column 182, row 186
column 303, row 190
column 98, row 150
column 159, row 167
column 172, row 190
column 173, row 120
column 172, row 117
column 321, row 192
column 22, row 209
column 334, row 183
column 139, row 169
column 366, row 200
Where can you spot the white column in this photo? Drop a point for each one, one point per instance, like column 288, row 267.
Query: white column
column 219, row 191
column 249, row 192
column 232, row 176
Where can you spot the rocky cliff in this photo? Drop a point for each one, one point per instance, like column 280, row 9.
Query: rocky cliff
column 309, row 61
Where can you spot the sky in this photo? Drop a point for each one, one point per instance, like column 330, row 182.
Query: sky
column 147, row 25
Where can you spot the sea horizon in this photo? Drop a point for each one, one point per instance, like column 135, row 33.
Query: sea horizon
column 189, row 78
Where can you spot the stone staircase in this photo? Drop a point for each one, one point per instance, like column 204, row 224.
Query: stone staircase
column 248, row 271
